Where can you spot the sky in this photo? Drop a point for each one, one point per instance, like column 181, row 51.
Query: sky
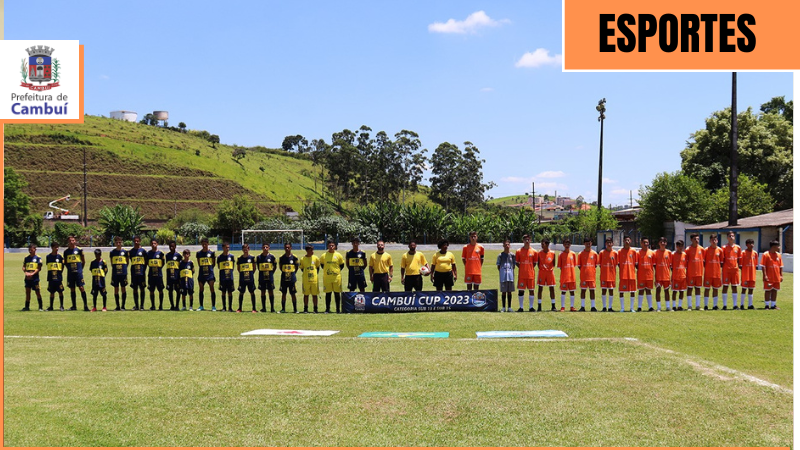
column 452, row 71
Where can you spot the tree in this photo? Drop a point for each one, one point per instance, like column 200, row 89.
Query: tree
column 236, row 215
column 182, row 126
column 445, row 164
column 410, row 158
column 214, row 139
column 238, row 153
column 753, row 200
column 779, row 105
column 16, row 204
column 296, row 143
column 765, row 152
column 121, row 220
column 672, row 196
column 579, row 201
column 470, row 177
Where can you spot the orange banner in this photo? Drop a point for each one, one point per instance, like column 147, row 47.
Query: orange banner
column 725, row 35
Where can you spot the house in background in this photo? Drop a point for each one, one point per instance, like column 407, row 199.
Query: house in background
column 762, row 229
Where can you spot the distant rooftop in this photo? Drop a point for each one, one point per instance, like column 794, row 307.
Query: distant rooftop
column 774, row 219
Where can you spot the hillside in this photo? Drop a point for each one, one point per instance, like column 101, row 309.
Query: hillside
column 510, row 200
column 159, row 170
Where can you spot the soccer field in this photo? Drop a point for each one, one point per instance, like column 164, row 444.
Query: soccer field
column 712, row 378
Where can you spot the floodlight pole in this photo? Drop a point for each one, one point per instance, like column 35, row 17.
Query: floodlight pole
column 733, row 205
column 85, row 208
column 601, row 108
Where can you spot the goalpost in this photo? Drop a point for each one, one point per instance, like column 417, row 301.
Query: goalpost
column 260, row 237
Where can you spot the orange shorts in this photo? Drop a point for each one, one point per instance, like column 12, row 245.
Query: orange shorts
column 588, row 284
column 712, row 283
column 526, row 283
column 627, row 285
column 772, row 286
column 608, row 284
column 472, row 279
column 546, row 278
column 679, row 285
column 751, row 284
column 570, row 286
column 665, row 284
column 694, row 281
column 646, row 284
column 730, row 277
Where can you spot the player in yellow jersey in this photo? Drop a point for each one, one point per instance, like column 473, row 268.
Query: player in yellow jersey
column 381, row 269
column 309, row 266
column 410, row 265
column 332, row 265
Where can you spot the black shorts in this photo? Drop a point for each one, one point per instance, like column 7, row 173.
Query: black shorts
column 137, row 280
column 173, row 285
column 443, row 280
column 32, row 284
column 206, row 278
column 119, row 280
column 55, row 286
column 413, row 282
column 290, row 286
column 251, row 287
column 226, row 285
column 187, row 286
column 155, row 283
column 266, row 285
column 356, row 282
column 380, row 282
column 98, row 290
column 75, row 280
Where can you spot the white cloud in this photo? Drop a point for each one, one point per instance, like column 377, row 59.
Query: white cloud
column 621, row 191
column 487, row 89
column 527, row 180
column 537, row 58
column 609, row 181
column 551, row 174
column 470, row 25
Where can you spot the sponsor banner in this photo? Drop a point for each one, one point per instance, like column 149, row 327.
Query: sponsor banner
column 410, row 334
column 521, row 334
column 268, row 332
column 389, row 302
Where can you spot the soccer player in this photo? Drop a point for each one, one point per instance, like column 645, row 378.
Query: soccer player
column 410, row 265
column 444, row 271
column 680, row 264
column 567, row 261
column 588, row 260
column 31, row 266
column 99, row 269
column 627, row 260
column 713, row 258
column 748, row 263
column 645, row 273
column 356, row 262
column 119, row 272
column 205, row 262
column 186, row 269
column 608, row 275
column 289, row 265
column 55, row 274
column 138, row 261
column 267, row 264
column 173, row 264
column 546, row 261
column 472, row 258
column 225, row 263
column 332, row 264
column 309, row 265
column 505, row 265
column 730, row 270
column 694, row 275
column 526, row 259
column 73, row 257
column 381, row 269
column 772, row 274
column 663, row 262
column 155, row 276
column 245, row 265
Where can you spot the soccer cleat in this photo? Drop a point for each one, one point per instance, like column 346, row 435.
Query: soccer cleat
column 724, row 308
column 715, row 308
column 638, row 309
column 689, row 308
column 49, row 309
column 553, row 308
column 104, row 309
column 86, row 308
column 572, row 309
column 25, row 309
column 152, row 308
column 190, row 309
column 706, row 308
column 531, row 310
column 214, row 308
column 539, row 308
column 183, row 309
column 611, row 310
column 40, row 309
column 522, row 310
column 282, row 311
column 562, row 309
column 651, row 310
column 582, row 309
column 593, row 309
column 751, row 307
column 734, row 307
column 327, row 311
column 273, row 311
column 94, row 309
column 62, row 308
column 238, row 310
column 297, row 311
column 135, row 308
column 200, row 308
column 265, row 310
column 254, row 311
column 72, row 308
column 159, row 308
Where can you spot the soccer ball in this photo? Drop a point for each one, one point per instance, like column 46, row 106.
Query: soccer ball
column 424, row 270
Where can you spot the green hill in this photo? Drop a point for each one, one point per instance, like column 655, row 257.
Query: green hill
column 510, row 200
column 159, row 170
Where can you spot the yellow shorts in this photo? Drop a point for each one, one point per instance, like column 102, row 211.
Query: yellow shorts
column 332, row 284
column 310, row 287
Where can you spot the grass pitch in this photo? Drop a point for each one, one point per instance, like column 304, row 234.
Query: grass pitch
column 188, row 378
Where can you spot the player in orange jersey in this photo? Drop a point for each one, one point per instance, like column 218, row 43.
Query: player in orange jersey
column 663, row 262
column 772, row 273
column 608, row 274
column 567, row 261
column 645, row 274
column 748, row 262
column 547, row 277
column 679, row 265
column 694, row 271
column 730, row 269
column 472, row 257
column 588, row 260
column 714, row 259
column 526, row 259
column 628, row 258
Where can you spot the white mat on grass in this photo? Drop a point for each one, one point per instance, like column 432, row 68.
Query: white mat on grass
column 269, row 332
column 521, row 334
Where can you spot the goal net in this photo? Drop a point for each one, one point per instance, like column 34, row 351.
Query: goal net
column 275, row 238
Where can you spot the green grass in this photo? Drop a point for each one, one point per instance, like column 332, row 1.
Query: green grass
column 188, row 379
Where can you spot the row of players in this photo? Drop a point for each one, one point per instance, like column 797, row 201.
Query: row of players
column 711, row 268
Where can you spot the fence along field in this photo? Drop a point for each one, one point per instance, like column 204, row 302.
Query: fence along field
column 189, row 379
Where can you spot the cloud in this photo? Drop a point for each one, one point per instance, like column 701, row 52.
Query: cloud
column 487, row 89
column 537, row 58
column 470, row 25
column 621, row 191
column 551, row 174
column 517, row 179
column 609, row 181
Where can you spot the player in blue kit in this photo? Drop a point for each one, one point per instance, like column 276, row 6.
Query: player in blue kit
column 55, row 275
column 31, row 266
column 155, row 275
column 98, row 269
column 173, row 262
column 186, row 271
column 356, row 262
column 225, row 263
column 246, row 265
column 266, row 264
column 289, row 265
column 119, row 272
column 74, row 261
column 205, row 262
column 137, row 256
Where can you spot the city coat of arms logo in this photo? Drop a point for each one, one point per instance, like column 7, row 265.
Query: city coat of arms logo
column 40, row 68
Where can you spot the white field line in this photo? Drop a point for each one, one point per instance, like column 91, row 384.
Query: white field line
column 704, row 367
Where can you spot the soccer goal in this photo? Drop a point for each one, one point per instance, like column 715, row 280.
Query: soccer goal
column 273, row 237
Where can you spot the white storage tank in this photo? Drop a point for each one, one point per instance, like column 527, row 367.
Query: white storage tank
column 161, row 115
column 129, row 116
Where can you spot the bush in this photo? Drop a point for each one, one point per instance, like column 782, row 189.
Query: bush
column 194, row 230
column 164, row 235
